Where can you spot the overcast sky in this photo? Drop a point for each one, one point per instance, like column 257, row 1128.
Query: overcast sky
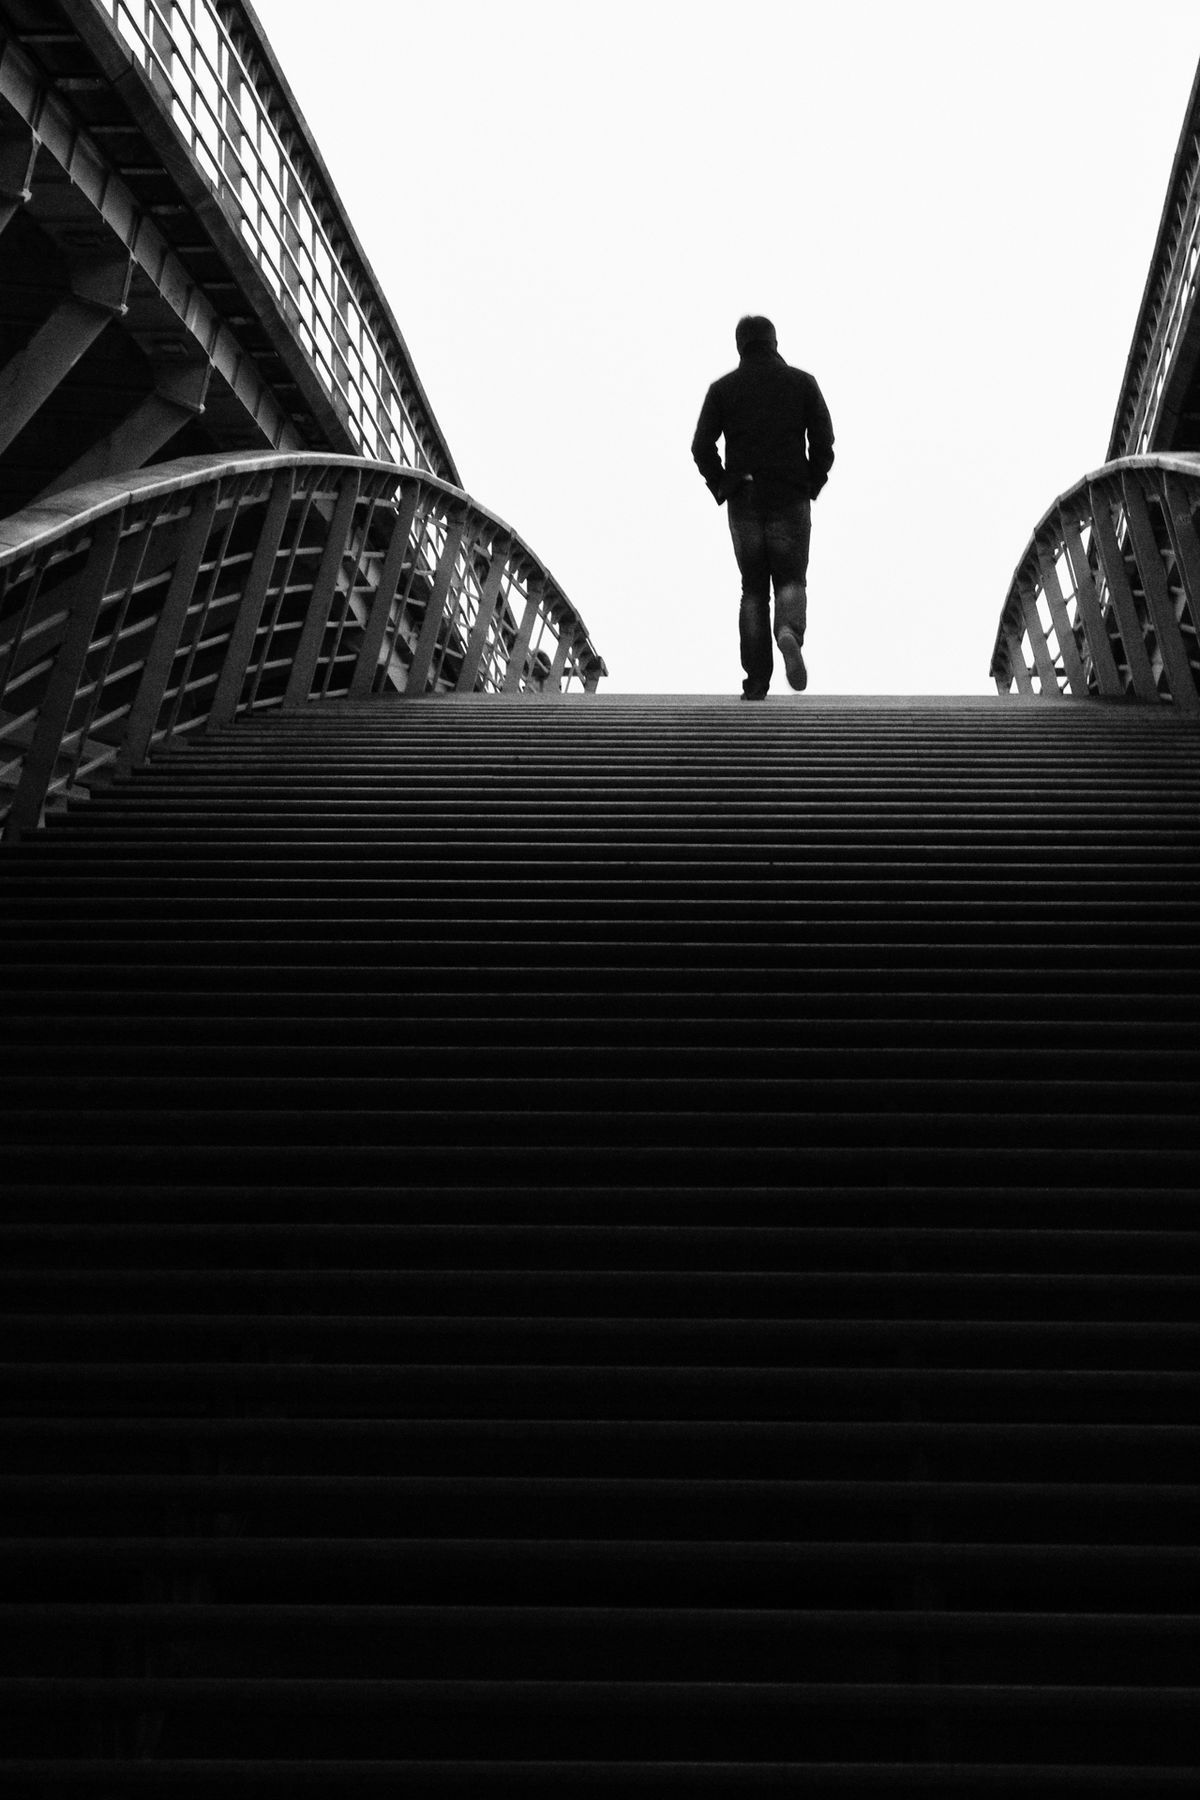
column 947, row 208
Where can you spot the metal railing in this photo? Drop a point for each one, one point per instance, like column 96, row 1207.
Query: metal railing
column 133, row 612
column 215, row 78
column 1165, row 318
column 1105, row 600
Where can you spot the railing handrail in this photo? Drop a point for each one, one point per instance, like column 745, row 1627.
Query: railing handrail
column 1179, row 462
column 1111, row 545
column 135, row 610
column 36, row 526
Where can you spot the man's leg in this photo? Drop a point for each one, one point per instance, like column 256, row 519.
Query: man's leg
column 754, row 619
column 788, row 534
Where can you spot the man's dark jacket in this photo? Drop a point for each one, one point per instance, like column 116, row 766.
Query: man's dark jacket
column 777, row 429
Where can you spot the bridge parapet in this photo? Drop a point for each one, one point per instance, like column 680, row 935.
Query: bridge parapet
column 156, row 151
column 1105, row 600
column 135, row 612
column 1159, row 404
column 204, row 87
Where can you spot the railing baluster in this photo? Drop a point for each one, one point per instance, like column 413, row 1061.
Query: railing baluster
column 254, row 595
column 1108, row 676
column 143, row 714
column 554, row 679
column 351, row 580
column 242, row 130
column 385, row 592
column 1017, row 663
column 1121, row 593
column 435, row 610
column 122, row 580
column 37, row 771
column 1181, row 524
column 320, row 601
column 1043, row 661
column 1068, row 648
column 11, row 645
column 489, row 599
column 519, row 654
column 294, row 550
column 1158, row 598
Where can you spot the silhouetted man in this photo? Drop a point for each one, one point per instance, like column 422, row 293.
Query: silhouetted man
column 778, row 454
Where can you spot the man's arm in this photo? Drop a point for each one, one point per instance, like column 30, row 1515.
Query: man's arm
column 704, row 443
column 820, row 437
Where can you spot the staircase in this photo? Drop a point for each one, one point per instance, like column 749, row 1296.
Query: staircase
column 608, row 1246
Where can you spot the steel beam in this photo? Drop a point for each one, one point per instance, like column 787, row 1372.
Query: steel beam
column 254, row 595
column 30, row 377
column 435, row 611
column 178, row 396
column 143, row 714
column 1043, row 661
column 1108, row 676
column 320, row 600
column 1069, row 649
column 554, row 679
column 489, row 600
column 1141, row 674
column 394, row 558
column 1181, row 525
column 1018, row 667
column 519, row 654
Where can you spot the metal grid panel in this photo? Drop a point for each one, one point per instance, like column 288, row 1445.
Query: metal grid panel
column 204, row 592
column 1106, row 597
column 197, row 56
column 1165, row 319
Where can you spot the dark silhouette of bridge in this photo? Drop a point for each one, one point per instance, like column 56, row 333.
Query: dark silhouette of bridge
column 553, row 1243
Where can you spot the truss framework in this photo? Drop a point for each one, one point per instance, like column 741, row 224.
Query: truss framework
column 133, row 613
column 1164, row 352
column 216, row 83
column 1105, row 600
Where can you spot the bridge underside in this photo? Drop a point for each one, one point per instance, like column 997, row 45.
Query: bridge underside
column 103, row 370
column 153, row 307
column 1177, row 421
column 114, row 351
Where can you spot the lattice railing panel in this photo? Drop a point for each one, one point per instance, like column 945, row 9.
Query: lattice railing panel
column 202, row 590
column 1105, row 600
column 203, row 59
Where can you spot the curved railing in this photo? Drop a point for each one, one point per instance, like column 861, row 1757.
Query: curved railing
column 1106, row 598
column 135, row 611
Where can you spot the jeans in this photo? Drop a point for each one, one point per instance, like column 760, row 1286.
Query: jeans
column 771, row 546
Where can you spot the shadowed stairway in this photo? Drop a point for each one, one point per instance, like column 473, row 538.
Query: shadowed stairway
column 608, row 1246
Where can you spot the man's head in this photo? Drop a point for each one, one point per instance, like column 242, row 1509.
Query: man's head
column 754, row 330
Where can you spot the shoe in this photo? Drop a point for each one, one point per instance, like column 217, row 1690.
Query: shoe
column 793, row 659
column 754, row 693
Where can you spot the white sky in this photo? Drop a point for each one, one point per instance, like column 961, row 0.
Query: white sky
column 947, row 208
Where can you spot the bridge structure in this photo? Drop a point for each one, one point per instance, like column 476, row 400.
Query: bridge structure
column 1105, row 598
column 182, row 292
column 552, row 1243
